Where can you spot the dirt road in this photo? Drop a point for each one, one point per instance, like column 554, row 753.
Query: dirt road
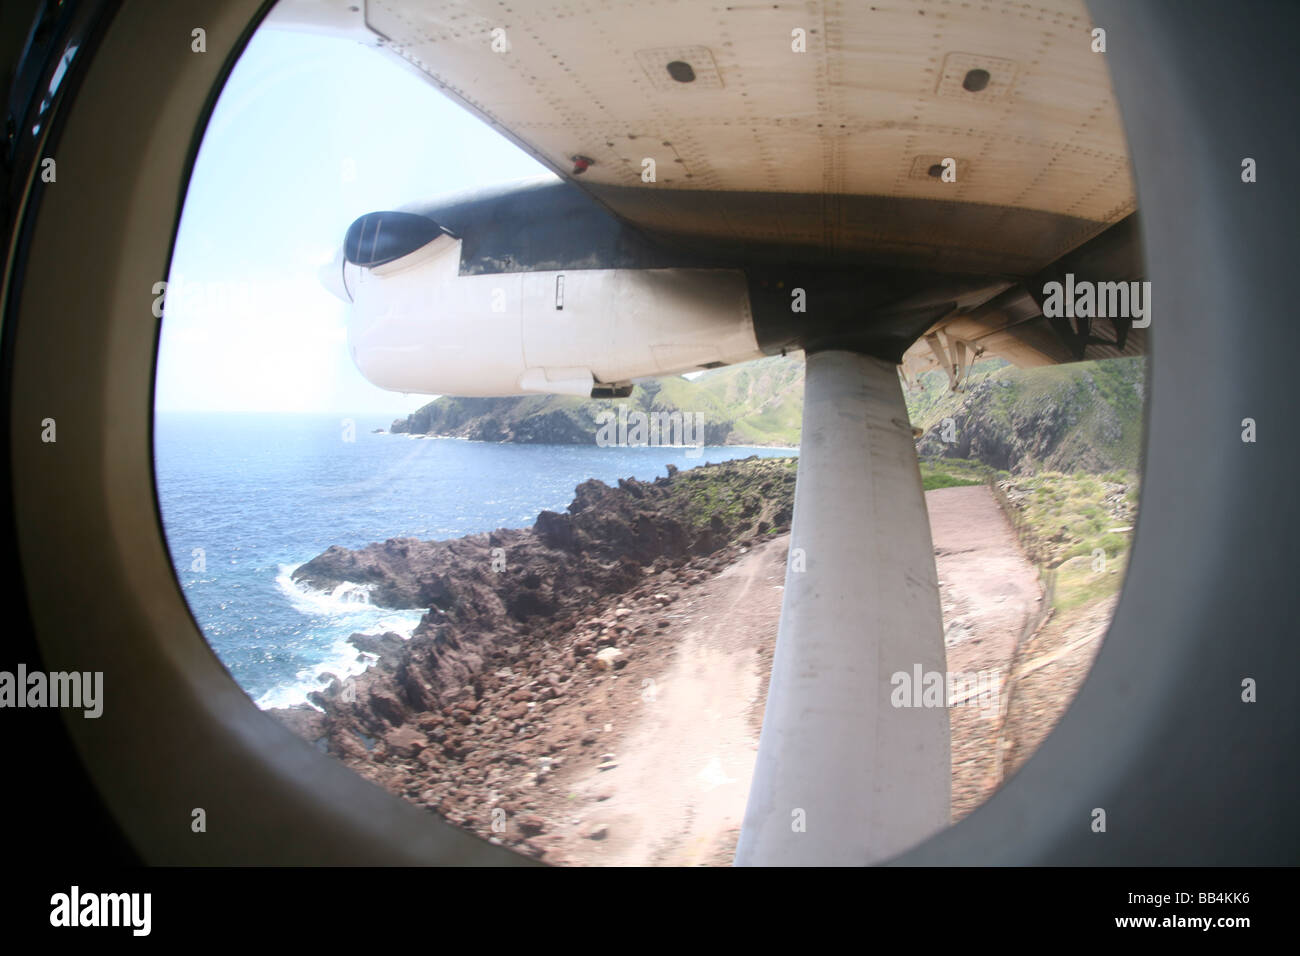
column 671, row 787
column 677, row 793
column 989, row 592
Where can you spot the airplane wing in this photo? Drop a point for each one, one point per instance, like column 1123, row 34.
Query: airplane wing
column 986, row 142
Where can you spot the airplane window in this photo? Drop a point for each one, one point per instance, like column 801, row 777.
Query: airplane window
column 485, row 486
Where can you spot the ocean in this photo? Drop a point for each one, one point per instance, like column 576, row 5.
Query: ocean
column 247, row 498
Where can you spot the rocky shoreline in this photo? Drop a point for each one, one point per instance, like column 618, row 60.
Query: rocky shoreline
column 468, row 717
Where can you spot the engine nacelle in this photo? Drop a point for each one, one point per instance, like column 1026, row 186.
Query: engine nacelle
column 419, row 325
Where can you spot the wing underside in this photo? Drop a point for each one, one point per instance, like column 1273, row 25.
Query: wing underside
column 954, row 138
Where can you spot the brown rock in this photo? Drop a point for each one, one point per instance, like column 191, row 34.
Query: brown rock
column 530, row 824
column 405, row 741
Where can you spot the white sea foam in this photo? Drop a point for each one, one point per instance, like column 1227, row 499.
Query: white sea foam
column 335, row 616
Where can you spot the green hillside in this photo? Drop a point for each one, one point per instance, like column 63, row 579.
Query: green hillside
column 757, row 403
column 1085, row 416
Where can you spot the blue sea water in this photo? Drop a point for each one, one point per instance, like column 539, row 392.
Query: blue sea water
column 247, row 498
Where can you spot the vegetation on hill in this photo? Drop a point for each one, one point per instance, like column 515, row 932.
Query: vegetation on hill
column 1079, row 526
column 757, row 403
column 1085, row 416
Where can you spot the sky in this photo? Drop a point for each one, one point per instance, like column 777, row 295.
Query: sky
column 310, row 132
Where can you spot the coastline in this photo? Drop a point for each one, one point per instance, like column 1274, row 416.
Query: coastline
column 460, row 716
column 618, row 725
column 508, row 441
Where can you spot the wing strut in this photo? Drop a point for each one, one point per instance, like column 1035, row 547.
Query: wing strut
column 843, row 776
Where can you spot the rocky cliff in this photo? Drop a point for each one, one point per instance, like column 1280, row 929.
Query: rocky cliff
column 442, row 716
column 1085, row 416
